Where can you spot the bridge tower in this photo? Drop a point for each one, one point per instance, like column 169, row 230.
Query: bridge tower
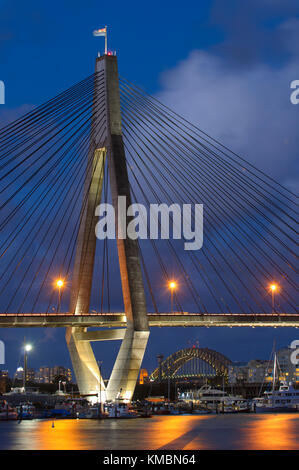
column 134, row 338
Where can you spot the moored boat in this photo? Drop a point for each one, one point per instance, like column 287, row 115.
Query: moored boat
column 122, row 411
column 26, row 411
column 214, row 400
column 7, row 413
column 285, row 399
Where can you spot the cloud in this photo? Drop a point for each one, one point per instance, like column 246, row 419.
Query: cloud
column 247, row 109
column 251, row 30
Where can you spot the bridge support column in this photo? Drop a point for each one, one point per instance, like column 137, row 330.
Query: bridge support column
column 127, row 365
column 85, row 366
column 128, row 362
column 84, row 362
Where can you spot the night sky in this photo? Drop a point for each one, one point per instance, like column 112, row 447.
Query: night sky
column 225, row 65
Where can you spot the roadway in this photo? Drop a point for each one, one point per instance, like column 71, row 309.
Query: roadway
column 185, row 319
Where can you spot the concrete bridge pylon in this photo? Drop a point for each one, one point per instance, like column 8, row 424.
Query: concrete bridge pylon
column 134, row 338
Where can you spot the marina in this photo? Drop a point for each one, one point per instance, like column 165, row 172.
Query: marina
column 203, row 401
column 214, row 400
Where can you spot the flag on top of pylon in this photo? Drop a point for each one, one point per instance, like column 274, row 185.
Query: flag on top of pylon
column 100, row 32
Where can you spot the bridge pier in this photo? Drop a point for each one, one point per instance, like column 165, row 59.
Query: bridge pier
column 128, row 362
column 127, row 365
column 85, row 366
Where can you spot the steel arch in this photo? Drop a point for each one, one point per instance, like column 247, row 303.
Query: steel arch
column 175, row 361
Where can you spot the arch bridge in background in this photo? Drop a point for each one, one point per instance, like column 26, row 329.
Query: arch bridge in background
column 171, row 365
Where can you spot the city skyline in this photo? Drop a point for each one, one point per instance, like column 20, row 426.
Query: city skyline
column 263, row 364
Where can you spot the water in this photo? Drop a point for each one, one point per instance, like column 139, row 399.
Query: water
column 252, row 431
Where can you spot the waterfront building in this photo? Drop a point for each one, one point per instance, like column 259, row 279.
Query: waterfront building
column 57, row 371
column 3, row 380
column 19, row 374
column 261, row 371
column 48, row 374
column 43, row 375
column 3, row 374
column 30, row 376
column 287, row 370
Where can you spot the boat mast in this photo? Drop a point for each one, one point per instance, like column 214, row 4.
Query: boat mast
column 274, row 375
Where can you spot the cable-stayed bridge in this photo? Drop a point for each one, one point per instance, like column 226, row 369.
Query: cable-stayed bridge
column 102, row 139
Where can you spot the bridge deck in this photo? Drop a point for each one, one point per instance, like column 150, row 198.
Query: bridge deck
column 111, row 320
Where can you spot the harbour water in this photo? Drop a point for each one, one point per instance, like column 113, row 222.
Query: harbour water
column 240, row 431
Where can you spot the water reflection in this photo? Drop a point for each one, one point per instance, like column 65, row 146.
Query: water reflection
column 280, row 432
column 41, row 435
column 268, row 431
column 175, row 432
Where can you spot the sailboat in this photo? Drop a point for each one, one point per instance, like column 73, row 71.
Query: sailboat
column 285, row 399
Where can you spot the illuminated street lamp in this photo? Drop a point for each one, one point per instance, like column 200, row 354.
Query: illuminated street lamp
column 59, row 284
column 27, row 348
column 172, row 286
column 273, row 288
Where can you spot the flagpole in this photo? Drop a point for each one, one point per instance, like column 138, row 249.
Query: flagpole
column 106, row 49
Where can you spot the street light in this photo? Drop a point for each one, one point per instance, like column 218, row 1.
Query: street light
column 273, row 288
column 59, row 284
column 27, row 348
column 172, row 286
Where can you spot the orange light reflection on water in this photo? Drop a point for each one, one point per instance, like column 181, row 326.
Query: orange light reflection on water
column 66, row 434
column 156, row 433
column 253, row 432
column 165, row 431
column 273, row 432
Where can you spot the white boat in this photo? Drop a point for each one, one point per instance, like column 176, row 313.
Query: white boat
column 214, row 400
column 93, row 412
column 71, row 407
column 286, row 399
column 26, row 411
column 243, row 406
column 122, row 410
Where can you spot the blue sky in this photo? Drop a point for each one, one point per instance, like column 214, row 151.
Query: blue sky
column 51, row 44
column 190, row 54
column 46, row 47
